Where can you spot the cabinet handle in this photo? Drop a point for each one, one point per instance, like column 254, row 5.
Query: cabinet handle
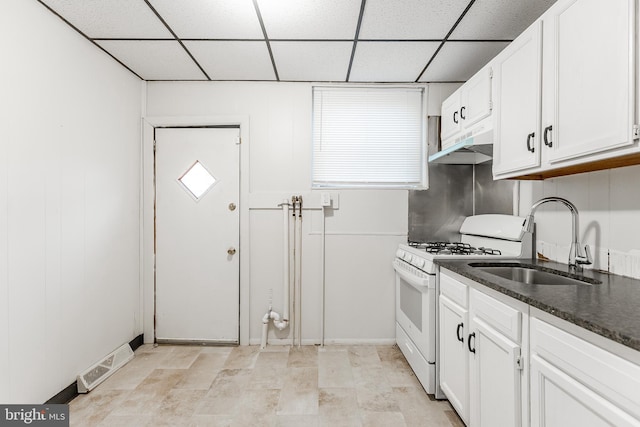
column 461, row 113
column 455, row 117
column 529, row 138
column 472, row 335
column 458, row 330
column 547, row 131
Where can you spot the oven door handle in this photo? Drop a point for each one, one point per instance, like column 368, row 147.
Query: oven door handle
column 417, row 282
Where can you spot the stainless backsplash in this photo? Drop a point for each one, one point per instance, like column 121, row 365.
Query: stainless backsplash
column 455, row 192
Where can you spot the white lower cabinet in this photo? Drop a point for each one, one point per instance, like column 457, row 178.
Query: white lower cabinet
column 576, row 383
column 454, row 358
column 481, row 366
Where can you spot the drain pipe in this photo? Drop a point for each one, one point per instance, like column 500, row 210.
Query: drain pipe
column 322, row 273
column 298, row 273
column 280, row 322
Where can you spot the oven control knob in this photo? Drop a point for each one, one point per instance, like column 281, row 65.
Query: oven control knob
column 408, row 258
column 400, row 253
column 419, row 262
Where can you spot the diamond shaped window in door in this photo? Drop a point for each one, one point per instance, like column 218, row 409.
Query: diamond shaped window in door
column 197, row 180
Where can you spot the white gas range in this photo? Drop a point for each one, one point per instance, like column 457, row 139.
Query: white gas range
column 481, row 236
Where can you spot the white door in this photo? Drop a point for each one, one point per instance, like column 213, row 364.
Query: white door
column 559, row 400
column 476, row 98
column 517, row 81
column 454, row 359
column 495, row 378
column 593, row 66
column 451, row 122
column 197, row 234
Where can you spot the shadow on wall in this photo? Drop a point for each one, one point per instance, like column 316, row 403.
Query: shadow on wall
column 455, row 192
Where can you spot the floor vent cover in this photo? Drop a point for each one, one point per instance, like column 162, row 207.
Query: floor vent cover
column 89, row 379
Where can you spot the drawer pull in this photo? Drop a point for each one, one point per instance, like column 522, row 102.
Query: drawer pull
column 472, row 335
column 458, row 331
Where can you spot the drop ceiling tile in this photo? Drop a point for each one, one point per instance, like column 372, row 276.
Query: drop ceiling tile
column 312, row 61
column 154, row 60
column 499, row 19
column 390, row 61
column 210, row 19
column 310, row 19
column 410, row 19
column 111, row 18
column 233, row 60
column 457, row 61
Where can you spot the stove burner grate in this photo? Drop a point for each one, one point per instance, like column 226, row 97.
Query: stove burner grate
column 453, row 248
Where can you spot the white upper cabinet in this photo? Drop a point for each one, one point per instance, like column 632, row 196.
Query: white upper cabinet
column 463, row 113
column 582, row 117
column 476, row 98
column 589, row 78
column 451, row 122
column 517, row 114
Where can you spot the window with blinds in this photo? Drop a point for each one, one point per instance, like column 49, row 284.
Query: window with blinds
column 368, row 137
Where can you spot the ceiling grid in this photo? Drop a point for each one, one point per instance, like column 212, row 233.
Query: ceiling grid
column 359, row 41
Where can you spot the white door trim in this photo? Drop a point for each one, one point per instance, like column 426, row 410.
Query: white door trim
column 148, row 195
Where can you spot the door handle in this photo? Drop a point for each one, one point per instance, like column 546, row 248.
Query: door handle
column 455, row 118
column 462, row 113
column 547, row 131
column 458, row 330
column 231, row 251
column 472, row 335
column 529, row 138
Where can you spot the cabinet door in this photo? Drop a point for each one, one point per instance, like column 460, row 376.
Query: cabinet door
column 517, row 80
column 454, row 359
column 475, row 103
column 590, row 45
column 496, row 397
column 451, row 122
column 558, row 400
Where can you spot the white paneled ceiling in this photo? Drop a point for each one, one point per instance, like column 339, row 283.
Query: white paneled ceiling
column 457, row 61
column 301, row 40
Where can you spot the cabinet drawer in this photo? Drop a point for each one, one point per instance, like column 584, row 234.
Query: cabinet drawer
column 607, row 374
column 505, row 319
column 454, row 290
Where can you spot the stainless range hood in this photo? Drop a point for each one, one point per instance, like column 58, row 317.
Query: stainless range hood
column 470, row 149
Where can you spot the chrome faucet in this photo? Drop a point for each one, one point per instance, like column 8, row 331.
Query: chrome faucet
column 577, row 255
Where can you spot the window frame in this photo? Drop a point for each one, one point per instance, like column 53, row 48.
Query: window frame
column 423, row 184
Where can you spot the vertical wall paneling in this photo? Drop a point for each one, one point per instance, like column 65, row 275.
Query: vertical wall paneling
column 69, row 204
column 362, row 235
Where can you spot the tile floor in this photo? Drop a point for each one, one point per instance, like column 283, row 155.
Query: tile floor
column 280, row 386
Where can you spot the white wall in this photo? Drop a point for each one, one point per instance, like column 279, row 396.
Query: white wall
column 69, row 203
column 609, row 205
column 362, row 234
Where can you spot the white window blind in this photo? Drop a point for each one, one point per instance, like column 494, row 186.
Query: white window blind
column 368, row 137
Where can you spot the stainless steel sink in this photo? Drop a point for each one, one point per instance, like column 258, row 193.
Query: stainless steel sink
column 532, row 274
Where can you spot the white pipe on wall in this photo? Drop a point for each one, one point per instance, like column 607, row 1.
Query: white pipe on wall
column 280, row 322
column 322, row 267
column 285, row 269
column 298, row 272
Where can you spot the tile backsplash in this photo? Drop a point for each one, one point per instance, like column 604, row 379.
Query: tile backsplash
column 609, row 205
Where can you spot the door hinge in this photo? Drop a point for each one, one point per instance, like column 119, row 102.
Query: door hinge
column 490, row 105
column 636, row 131
column 490, row 72
column 238, row 141
column 519, row 363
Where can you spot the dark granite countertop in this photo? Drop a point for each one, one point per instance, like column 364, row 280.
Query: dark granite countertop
column 610, row 309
